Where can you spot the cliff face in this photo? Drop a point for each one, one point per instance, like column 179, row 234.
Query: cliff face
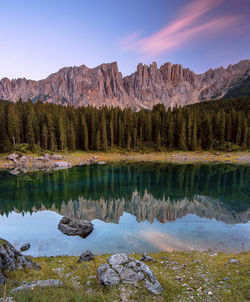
column 149, row 85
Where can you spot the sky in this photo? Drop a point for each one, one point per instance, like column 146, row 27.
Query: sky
column 40, row 37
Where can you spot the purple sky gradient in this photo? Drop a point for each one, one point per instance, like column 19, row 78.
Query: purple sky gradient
column 40, row 37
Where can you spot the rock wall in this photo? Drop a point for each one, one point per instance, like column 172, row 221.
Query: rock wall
column 149, row 85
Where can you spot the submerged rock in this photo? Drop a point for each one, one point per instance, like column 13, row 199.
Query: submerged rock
column 11, row 259
column 39, row 283
column 75, row 227
column 121, row 268
column 25, row 247
column 86, row 256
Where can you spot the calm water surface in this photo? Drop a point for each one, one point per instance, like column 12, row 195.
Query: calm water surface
column 134, row 208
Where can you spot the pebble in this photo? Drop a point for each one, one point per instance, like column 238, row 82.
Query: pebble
column 234, row 261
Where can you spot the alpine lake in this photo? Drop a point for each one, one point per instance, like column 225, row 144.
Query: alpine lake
column 135, row 207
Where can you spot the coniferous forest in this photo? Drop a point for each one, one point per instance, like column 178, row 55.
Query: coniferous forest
column 218, row 125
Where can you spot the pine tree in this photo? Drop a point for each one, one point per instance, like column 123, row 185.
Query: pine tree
column 13, row 125
column 84, row 136
column 4, row 142
column 158, row 141
column 98, row 140
column 44, row 142
column 111, row 131
column 194, row 137
column 104, row 141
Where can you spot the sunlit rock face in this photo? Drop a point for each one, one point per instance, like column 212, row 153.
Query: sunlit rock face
column 149, row 85
column 148, row 208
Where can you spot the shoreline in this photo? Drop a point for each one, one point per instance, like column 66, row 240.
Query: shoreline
column 184, row 276
column 80, row 158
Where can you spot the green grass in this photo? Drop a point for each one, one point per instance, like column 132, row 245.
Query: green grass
column 200, row 272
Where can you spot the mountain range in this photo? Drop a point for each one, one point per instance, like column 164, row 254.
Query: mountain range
column 148, row 85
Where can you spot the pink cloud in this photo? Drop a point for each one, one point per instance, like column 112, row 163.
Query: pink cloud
column 186, row 26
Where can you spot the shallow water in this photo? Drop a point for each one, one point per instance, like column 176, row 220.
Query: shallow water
column 134, row 208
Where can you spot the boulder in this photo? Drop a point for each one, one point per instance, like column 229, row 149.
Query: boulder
column 86, row 256
column 11, row 259
column 75, row 227
column 24, row 247
column 39, row 283
column 121, row 268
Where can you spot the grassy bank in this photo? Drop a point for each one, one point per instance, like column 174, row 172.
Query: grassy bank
column 184, row 276
column 164, row 157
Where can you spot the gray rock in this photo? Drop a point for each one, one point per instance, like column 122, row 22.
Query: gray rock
column 8, row 299
column 2, row 279
column 86, row 256
column 39, row 283
column 11, row 259
column 75, row 227
column 102, row 162
column 15, row 172
column 145, row 257
column 25, row 247
column 62, row 164
column 107, row 276
column 13, row 157
column 118, row 259
column 56, row 157
column 121, row 268
column 234, row 261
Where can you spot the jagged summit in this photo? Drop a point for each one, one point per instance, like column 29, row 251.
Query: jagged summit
column 171, row 84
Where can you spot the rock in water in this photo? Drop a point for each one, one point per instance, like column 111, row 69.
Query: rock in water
column 39, row 283
column 25, row 247
column 86, row 256
column 121, row 268
column 75, row 227
column 11, row 259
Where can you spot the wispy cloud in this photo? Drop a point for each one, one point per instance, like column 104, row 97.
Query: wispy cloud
column 192, row 21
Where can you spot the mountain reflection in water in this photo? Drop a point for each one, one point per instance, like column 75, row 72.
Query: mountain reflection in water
column 147, row 191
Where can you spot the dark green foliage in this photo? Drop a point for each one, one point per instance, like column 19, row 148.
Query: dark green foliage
column 222, row 125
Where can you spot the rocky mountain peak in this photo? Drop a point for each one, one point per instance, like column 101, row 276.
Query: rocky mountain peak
column 171, row 84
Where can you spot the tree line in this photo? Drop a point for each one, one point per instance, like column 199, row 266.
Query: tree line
column 221, row 125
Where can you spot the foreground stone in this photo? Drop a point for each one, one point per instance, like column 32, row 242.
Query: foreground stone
column 121, row 268
column 86, row 256
column 39, row 283
column 25, row 247
column 75, row 227
column 11, row 259
column 146, row 257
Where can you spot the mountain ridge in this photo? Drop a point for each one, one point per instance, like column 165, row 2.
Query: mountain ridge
column 171, row 84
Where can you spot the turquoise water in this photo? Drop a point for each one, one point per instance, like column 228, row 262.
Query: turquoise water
column 134, row 208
